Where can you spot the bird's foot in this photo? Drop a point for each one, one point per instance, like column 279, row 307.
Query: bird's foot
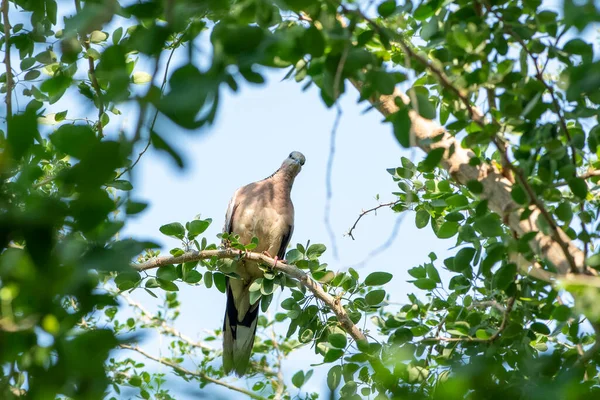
column 266, row 253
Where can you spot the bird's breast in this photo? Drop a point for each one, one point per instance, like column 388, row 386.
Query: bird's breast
column 264, row 223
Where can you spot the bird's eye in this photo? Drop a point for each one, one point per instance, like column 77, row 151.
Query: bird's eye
column 291, row 156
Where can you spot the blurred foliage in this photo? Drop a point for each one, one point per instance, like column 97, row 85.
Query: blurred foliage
column 478, row 329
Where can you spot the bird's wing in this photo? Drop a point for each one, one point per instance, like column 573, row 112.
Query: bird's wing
column 233, row 205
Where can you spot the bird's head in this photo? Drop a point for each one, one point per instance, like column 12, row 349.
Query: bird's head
column 293, row 163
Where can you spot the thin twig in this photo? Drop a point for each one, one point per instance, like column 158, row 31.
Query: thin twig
column 302, row 277
column 496, row 335
column 280, row 380
column 198, row 374
column 592, row 351
column 162, row 88
column 9, row 75
column 151, row 319
column 328, row 184
column 370, row 210
column 92, row 71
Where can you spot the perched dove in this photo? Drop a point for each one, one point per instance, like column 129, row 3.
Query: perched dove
column 264, row 210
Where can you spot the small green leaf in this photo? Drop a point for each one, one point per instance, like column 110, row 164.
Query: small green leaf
column 432, row 273
column 193, row 277
column 167, row 273
column 337, row 340
column 540, row 328
column 432, row 160
column 387, row 8
column 475, row 186
column 220, row 281
column 315, row 251
column 174, row 229
column 375, row 297
column 561, row 313
column 197, row 227
column 578, row 187
column 121, row 185
column 334, row 377
column 448, row 229
column 332, row 355
column 425, row 284
column 298, row 379
column 593, row 261
column 421, row 219
column 167, row 285
column 401, row 124
column 378, row 278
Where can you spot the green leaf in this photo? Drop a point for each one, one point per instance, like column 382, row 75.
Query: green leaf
column 220, row 281
column 432, row 273
column 475, row 186
column 482, row 334
column 489, row 226
column 332, row 355
column 334, row 377
column 74, row 140
column 197, row 227
column 313, row 42
column 378, row 278
column 315, row 251
column 425, row 284
column 337, row 340
column 448, row 229
column 593, row 261
column 432, row 160
column 578, row 187
column 193, row 277
column 540, row 328
column 167, row 273
column 505, row 276
column 426, row 109
column 463, row 259
column 421, row 219
column 375, row 297
column 134, row 207
column 561, row 313
column 31, row 75
column 387, row 8
column 564, row 212
column 518, row 194
column 401, row 124
column 167, row 285
column 121, row 185
column 298, row 379
column 174, row 229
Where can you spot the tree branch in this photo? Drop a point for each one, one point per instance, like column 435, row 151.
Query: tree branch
column 198, row 374
column 558, row 249
column 9, row 76
column 592, row 351
column 305, row 280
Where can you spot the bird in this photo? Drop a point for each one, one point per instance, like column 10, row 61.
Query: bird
column 263, row 210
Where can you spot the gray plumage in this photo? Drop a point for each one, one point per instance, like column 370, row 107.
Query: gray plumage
column 264, row 210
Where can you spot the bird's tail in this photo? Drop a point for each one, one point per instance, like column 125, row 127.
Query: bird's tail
column 239, row 327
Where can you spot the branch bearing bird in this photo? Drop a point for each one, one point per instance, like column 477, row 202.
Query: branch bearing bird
column 263, row 210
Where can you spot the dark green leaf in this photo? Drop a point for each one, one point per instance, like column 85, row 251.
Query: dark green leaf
column 378, row 278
